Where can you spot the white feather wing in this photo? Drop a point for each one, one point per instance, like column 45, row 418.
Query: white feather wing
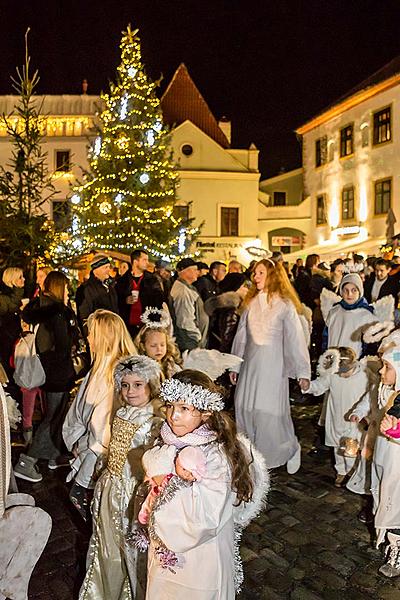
column 211, row 362
column 384, row 308
column 327, row 300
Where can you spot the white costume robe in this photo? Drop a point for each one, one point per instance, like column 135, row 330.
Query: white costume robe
column 88, row 425
column 271, row 341
column 197, row 524
column 111, row 563
column 346, row 327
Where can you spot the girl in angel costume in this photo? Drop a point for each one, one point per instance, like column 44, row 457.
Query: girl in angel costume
column 348, row 384
column 111, row 563
column 349, row 315
column 155, row 341
column 385, row 486
column 87, row 426
column 271, row 341
column 195, row 525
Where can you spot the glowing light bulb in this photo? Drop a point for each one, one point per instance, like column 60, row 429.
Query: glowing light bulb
column 118, row 198
column 132, row 72
column 75, row 199
column 124, row 108
column 144, row 178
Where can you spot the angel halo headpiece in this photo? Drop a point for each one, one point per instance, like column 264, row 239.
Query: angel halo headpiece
column 138, row 364
column 173, row 390
column 155, row 318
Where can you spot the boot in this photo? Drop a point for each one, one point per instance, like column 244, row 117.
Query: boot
column 391, row 567
column 27, row 435
column 26, row 469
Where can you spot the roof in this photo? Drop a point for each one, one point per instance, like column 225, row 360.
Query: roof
column 65, row 104
column 385, row 78
column 182, row 101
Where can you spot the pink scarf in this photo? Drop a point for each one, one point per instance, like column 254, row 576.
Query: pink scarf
column 200, row 436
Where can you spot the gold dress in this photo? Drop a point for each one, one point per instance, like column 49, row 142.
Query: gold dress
column 111, row 563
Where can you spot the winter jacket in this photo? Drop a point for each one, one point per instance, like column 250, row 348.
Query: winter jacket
column 391, row 287
column 10, row 323
column 189, row 316
column 206, row 286
column 56, row 335
column 94, row 294
column 150, row 293
column 224, row 320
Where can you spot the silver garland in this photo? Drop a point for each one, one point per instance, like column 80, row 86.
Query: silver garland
column 173, row 390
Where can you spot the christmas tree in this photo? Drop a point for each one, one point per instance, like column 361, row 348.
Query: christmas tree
column 129, row 191
column 25, row 183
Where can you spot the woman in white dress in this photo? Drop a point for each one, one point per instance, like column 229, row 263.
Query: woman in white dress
column 271, row 341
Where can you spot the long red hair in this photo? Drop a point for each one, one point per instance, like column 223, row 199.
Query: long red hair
column 276, row 284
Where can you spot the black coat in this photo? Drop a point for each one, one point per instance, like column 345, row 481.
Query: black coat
column 93, row 294
column 206, row 286
column 10, row 322
column 56, row 335
column 150, row 293
column 224, row 320
column 391, row 287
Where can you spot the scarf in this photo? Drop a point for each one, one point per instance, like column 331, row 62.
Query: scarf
column 361, row 303
column 200, row 436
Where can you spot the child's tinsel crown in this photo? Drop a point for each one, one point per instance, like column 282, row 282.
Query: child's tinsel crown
column 155, row 318
column 173, row 390
column 144, row 367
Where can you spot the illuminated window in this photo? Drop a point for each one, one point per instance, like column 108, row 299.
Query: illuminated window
column 383, row 196
column 63, row 161
column 229, row 221
column 61, row 214
column 348, row 203
column 181, row 212
column 382, row 126
column 321, row 147
column 321, row 211
column 279, row 198
column 346, row 141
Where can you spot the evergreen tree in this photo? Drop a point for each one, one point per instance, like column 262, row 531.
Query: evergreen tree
column 127, row 197
column 25, row 183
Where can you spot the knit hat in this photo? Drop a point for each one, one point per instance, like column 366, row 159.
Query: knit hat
column 185, row 263
column 99, row 260
column 193, row 459
column 355, row 279
column 390, row 348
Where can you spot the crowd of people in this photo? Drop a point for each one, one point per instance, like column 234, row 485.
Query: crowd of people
column 184, row 379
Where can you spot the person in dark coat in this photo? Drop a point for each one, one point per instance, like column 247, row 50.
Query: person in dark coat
column 223, row 312
column 136, row 290
column 97, row 292
column 207, row 285
column 11, row 293
column 56, row 335
column 380, row 283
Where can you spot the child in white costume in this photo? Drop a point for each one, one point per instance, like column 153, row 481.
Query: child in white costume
column 194, row 524
column 87, row 426
column 111, row 563
column 385, row 470
column 349, row 315
column 347, row 383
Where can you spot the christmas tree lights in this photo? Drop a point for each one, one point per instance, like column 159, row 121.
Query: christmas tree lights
column 126, row 199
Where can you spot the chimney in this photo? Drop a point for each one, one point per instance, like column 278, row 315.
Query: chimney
column 84, row 86
column 253, row 157
column 225, row 125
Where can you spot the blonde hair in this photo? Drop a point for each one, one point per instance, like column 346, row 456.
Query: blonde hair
column 109, row 342
column 276, row 284
column 11, row 276
column 172, row 356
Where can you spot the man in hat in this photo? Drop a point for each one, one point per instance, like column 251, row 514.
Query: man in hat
column 137, row 290
column 163, row 273
column 97, row 292
column 190, row 319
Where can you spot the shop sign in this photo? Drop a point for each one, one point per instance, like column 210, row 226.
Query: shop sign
column 286, row 241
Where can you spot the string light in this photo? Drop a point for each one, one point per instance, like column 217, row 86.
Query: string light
column 75, row 199
column 97, row 146
column 144, row 178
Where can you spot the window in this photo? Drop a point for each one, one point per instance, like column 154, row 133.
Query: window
column 382, row 126
column 346, row 141
column 279, row 198
column 321, row 212
column 63, row 161
column 229, row 221
column 321, row 151
column 61, row 214
column 187, row 149
column 348, row 203
column 181, row 212
column 383, row 196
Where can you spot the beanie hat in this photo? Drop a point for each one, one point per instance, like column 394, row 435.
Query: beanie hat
column 355, row 279
column 232, row 282
column 99, row 260
column 390, row 349
column 185, row 263
column 193, row 459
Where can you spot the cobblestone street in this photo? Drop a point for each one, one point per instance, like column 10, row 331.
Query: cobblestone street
column 308, row 544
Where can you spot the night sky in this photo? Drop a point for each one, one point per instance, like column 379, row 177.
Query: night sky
column 268, row 65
